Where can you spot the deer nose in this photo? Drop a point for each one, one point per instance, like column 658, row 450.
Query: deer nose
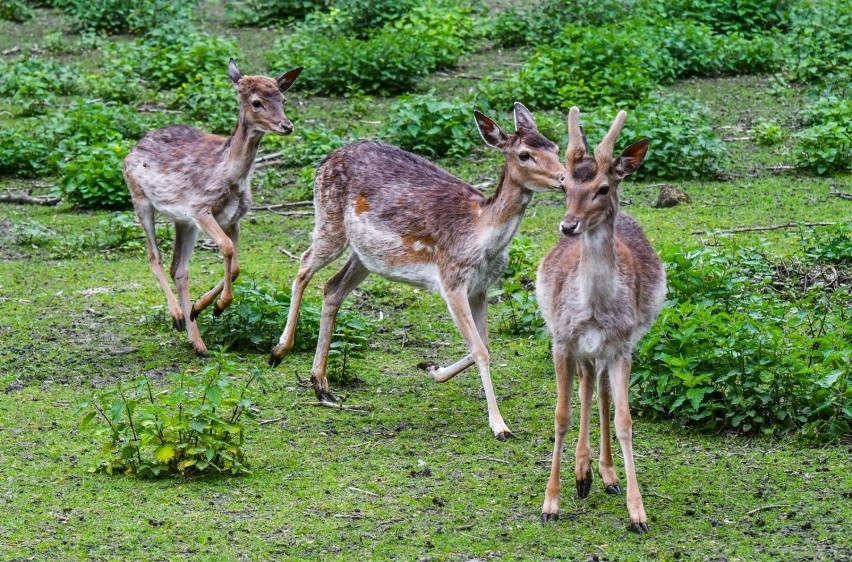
column 569, row 229
column 286, row 127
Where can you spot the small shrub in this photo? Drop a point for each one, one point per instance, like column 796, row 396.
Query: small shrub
column 819, row 46
column 113, row 17
column 727, row 15
column 15, row 10
column 768, row 133
column 32, row 83
column 390, row 61
column 826, row 144
column 94, row 178
column 265, row 13
column 430, row 125
column 516, row 303
column 26, row 151
column 740, row 346
column 194, row 426
column 210, row 100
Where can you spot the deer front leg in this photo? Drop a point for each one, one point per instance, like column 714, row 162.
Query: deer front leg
column 228, row 248
column 335, row 291
column 146, row 219
column 606, row 466
column 457, row 302
column 619, row 380
column 564, row 367
column 582, row 454
column 322, row 252
column 478, row 309
column 185, row 236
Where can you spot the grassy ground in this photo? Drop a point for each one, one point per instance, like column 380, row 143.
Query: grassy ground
column 419, row 476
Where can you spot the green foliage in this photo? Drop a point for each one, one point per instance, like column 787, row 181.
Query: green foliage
column 32, row 83
column 768, row 133
column 727, row 15
column 819, row 46
column 95, row 177
column 264, row 13
column 516, row 304
column 15, row 10
column 826, row 144
column 430, row 125
column 742, row 343
column 113, row 17
column 210, row 100
column 193, row 426
column 257, row 317
column 391, row 60
column 310, row 145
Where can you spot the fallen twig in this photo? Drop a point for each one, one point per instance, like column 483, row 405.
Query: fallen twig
column 288, row 254
column 781, row 168
column 762, row 228
column 268, row 157
column 24, row 199
column 294, row 213
column 492, row 460
column 304, row 383
column 334, row 406
column 658, row 495
column 369, row 493
column 274, row 206
column 841, row 194
column 273, row 420
column 736, row 139
column 765, row 507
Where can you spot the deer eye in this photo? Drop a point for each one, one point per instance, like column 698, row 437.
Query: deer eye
column 524, row 156
column 256, row 104
column 604, row 190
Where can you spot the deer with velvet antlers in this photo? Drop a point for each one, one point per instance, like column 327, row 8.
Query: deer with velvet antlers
column 600, row 289
column 408, row 220
column 201, row 182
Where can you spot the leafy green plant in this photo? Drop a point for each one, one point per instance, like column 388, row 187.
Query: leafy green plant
column 818, row 48
column 15, row 10
column 126, row 16
column 826, row 144
column 245, row 13
column 742, row 345
column 391, row 60
column 312, row 144
column 768, row 133
column 32, row 83
column 95, row 177
column 430, row 125
column 516, row 303
column 193, row 426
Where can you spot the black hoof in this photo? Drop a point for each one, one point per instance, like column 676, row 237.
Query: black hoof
column 547, row 517
column 613, row 490
column 640, row 528
column 326, row 397
column 217, row 312
column 179, row 325
column 202, row 354
column 427, row 365
column 193, row 314
column 274, row 360
column 504, row 435
column 584, row 486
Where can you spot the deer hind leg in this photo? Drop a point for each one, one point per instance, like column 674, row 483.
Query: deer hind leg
column 336, row 290
column 227, row 246
column 185, row 236
column 145, row 212
column 459, row 306
column 564, row 366
column 619, row 380
column 204, row 301
column 322, row 252
column 606, row 466
column 582, row 454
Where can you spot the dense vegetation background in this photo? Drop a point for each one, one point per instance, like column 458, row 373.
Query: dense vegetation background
column 742, row 390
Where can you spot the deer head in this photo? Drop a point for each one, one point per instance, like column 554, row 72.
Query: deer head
column 591, row 189
column 532, row 161
column 261, row 99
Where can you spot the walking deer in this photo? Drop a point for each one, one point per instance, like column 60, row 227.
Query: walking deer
column 201, row 182
column 407, row 220
column 600, row 289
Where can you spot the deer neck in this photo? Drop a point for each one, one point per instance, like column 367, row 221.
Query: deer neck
column 242, row 149
column 597, row 271
column 503, row 211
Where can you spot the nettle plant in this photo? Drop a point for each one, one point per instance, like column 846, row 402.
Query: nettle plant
column 517, row 307
column 192, row 426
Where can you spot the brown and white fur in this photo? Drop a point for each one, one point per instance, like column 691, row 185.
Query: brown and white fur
column 201, row 182
column 600, row 289
column 407, row 220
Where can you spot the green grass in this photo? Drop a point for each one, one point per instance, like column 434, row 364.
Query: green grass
column 419, row 476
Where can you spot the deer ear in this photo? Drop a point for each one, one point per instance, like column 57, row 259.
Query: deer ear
column 286, row 80
column 233, row 72
column 490, row 131
column 523, row 117
column 632, row 157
